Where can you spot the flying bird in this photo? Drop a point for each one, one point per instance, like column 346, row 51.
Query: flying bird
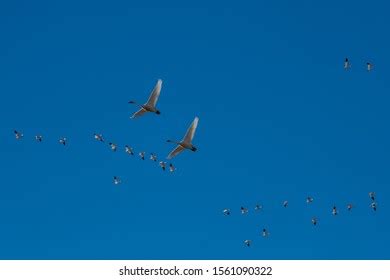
column 142, row 155
column 38, row 138
column 285, row 203
column 244, row 210
column 150, row 105
column 18, row 135
column 62, row 141
column 309, row 199
column 371, row 195
column 349, row 207
column 129, row 150
column 171, row 167
column 314, row 221
column 369, row 66
column 226, row 212
column 248, row 242
column 117, row 180
column 334, row 211
column 374, row 205
column 98, row 137
column 113, row 146
column 186, row 142
column 162, row 165
column 265, row 233
column 347, row 65
column 153, row 157
column 258, row 207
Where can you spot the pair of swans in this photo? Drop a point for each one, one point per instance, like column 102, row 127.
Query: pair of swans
column 150, row 106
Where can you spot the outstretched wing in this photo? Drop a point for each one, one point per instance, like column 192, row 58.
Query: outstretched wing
column 152, row 101
column 139, row 113
column 175, row 152
column 191, row 131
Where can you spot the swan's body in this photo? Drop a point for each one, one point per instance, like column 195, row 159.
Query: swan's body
column 113, row 147
column 153, row 157
column 186, row 142
column 369, row 66
column 98, row 137
column 150, row 105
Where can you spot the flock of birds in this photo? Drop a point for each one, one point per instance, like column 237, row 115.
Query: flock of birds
column 148, row 107
column 314, row 220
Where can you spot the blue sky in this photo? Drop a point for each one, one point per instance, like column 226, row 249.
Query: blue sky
column 279, row 119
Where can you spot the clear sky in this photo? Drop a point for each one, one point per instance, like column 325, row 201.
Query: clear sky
column 280, row 119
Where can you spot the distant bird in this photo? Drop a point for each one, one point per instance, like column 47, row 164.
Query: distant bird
column 129, row 150
column 371, row 195
column 258, row 207
column 38, row 138
column 265, row 233
column 347, row 65
column 117, row 180
column 150, row 105
column 98, row 137
column 171, row 167
column 309, row 199
column 374, row 206
column 334, row 211
column 244, row 210
column 186, row 142
column 226, row 212
column 349, row 207
column 153, row 157
column 162, row 165
column 142, row 155
column 248, row 242
column 285, row 203
column 314, row 221
column 62, row 141
column 369, row 66
column 113, row 146
column 18, row 135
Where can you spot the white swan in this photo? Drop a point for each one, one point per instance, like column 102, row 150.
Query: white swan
column 186, row 143
column 150, row 105
column 18, row 135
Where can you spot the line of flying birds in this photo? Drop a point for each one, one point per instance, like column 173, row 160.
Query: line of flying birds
column 265, row 232
column 149, row 106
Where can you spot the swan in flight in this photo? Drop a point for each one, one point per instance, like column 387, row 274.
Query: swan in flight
column 129, row 150
column 371, row 195
column 186, row 142
column 258, row 207
column 369, row 66
column 373, row 206
column 285, row 203
column 334, row 211
column 248, row 242
column 309, row 199
column 349, row 207
column 226, row 212
column 113, row 147
column 347, row 65
column 150, row 105
column 265, row 233
column 244, row 210
column 153, row 157
column 18, row 135
column 142, row 155
column 98, row 137
column 117, row 180
column 162, row 165
column 39, row 138
column 314, row 221
column 62, row 141
column 171, row 167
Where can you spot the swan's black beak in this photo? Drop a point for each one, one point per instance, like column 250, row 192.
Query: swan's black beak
column 193, row 149
column 158, row 112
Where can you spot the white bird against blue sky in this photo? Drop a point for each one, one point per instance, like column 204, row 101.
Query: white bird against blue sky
column 186, row 142
column 150, row 105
